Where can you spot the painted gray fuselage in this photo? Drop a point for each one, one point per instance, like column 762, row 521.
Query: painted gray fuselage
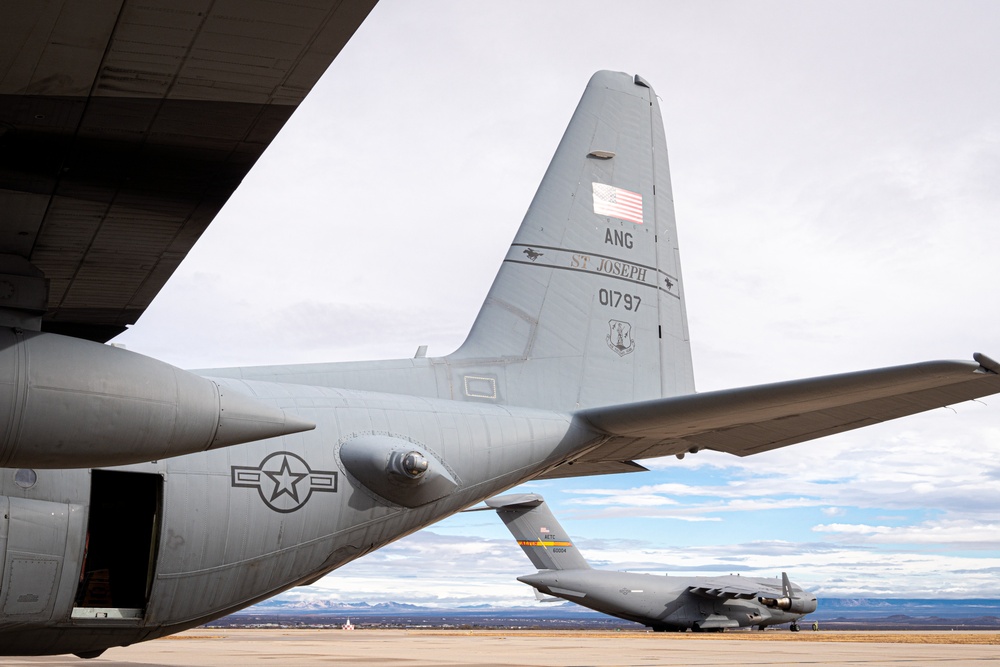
column 662, row 602
column 234, row 530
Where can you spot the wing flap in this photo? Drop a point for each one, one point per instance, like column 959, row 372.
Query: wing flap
column 755, row 419
column 725, row 592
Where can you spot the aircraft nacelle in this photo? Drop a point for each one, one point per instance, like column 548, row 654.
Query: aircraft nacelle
column 793, row 605
column 68, row 402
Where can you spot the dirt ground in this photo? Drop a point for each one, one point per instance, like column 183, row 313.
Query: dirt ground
column 270, row 647
column 806, row 636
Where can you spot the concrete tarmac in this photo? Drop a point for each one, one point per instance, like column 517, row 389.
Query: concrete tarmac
column 209, row 647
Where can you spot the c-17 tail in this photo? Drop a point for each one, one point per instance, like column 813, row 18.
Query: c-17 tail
column 537, row 532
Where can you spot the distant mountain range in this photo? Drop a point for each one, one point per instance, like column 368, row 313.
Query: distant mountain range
column 313, row 606
column 882, row 607
column 852, row 611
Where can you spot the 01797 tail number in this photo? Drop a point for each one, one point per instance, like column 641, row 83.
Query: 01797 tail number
column 616, row 299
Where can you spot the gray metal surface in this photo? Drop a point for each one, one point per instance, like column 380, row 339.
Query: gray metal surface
column 659, row 602
column 750, row 420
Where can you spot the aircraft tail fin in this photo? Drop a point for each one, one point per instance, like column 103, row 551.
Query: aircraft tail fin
column 588, row 307
column 538, row 533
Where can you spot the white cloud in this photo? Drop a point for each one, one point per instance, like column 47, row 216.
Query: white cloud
column 940, row 460
column 950, row 534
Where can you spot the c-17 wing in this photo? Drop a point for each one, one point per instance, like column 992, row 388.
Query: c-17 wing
column 125, row 125
column 756, row 419
column 727, row 591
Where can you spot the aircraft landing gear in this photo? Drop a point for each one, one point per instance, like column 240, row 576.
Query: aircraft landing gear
column 794, row 627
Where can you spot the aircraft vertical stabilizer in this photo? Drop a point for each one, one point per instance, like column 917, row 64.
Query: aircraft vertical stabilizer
column 537, row 532
column 588, row 307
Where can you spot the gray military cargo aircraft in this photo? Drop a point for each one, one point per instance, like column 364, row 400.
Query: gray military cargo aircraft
column 700, row 604
column 124, row 127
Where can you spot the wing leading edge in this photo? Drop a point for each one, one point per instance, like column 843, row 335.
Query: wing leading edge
column 756, row 419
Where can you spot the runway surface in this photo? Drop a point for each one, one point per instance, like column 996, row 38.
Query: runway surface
column 207, row 647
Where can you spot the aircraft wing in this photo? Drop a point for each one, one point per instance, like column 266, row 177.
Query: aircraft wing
column 125, row 125
column 726, row 591
column 756, row 419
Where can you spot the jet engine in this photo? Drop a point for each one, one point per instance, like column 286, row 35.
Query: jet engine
column 793, row 605
column 789, row 601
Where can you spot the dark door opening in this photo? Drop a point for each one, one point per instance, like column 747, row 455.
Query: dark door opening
column 122, row 535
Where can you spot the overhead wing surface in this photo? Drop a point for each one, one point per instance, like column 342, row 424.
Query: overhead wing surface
column 125, row 125
column 756, row 419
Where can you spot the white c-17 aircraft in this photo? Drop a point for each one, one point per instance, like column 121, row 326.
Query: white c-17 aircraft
column 138, row 499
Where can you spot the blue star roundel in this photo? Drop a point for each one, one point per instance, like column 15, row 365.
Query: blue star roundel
column 284, row 481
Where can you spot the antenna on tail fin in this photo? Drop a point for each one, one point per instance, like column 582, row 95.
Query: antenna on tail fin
column 588, row 307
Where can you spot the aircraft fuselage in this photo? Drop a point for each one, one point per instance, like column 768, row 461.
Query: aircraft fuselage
column 664, row 602
column 98, row 558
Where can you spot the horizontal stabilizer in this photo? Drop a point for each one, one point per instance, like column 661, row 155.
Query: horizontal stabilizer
column 522, row 500
column 542, row 597
column 756, row 419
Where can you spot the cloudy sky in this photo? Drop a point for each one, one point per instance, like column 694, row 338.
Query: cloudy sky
column 836, row 173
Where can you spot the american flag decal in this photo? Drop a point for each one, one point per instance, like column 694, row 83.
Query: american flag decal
column 617, row 203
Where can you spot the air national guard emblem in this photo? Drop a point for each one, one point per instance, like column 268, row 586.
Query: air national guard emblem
column 284, row 481
column 620, row 338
